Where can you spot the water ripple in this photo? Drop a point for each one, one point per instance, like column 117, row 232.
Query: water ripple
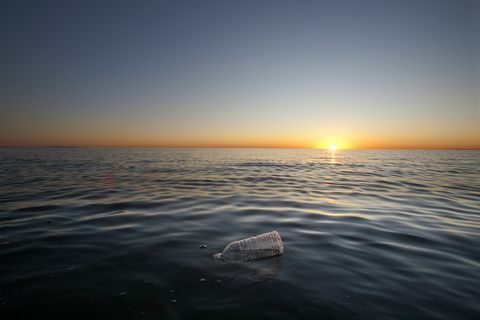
column 368, row 234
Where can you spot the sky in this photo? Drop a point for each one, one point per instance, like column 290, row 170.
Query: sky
column 354, row 73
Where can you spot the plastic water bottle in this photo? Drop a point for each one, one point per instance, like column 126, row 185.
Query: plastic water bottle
column 262, row 246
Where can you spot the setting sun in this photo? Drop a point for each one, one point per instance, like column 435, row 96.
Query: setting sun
column 332, row 144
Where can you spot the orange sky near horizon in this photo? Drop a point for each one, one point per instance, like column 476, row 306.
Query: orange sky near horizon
column 416, row 139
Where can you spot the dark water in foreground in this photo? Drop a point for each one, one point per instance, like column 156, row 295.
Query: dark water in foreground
column 108, row 233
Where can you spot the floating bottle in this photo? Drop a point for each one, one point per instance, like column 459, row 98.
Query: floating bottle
column 262, row 246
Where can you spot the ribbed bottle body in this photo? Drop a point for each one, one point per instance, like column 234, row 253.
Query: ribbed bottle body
column 262, row 246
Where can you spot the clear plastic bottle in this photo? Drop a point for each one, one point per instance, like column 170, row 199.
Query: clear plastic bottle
column 262, row 246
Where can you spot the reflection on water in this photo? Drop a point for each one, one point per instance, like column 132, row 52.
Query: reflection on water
column 333, row 154
column 256, row 269
column 117, row 233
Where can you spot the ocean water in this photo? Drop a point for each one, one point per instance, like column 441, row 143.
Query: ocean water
column 116, row 233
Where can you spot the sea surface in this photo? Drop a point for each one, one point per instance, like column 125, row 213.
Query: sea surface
column 117, row 233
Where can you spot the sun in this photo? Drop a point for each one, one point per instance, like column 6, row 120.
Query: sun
column 332, row 147
column 332, row 144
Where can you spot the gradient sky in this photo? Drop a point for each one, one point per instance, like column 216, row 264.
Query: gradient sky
column 359, row 73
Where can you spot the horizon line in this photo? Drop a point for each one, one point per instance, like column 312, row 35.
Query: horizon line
column 227, row 147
